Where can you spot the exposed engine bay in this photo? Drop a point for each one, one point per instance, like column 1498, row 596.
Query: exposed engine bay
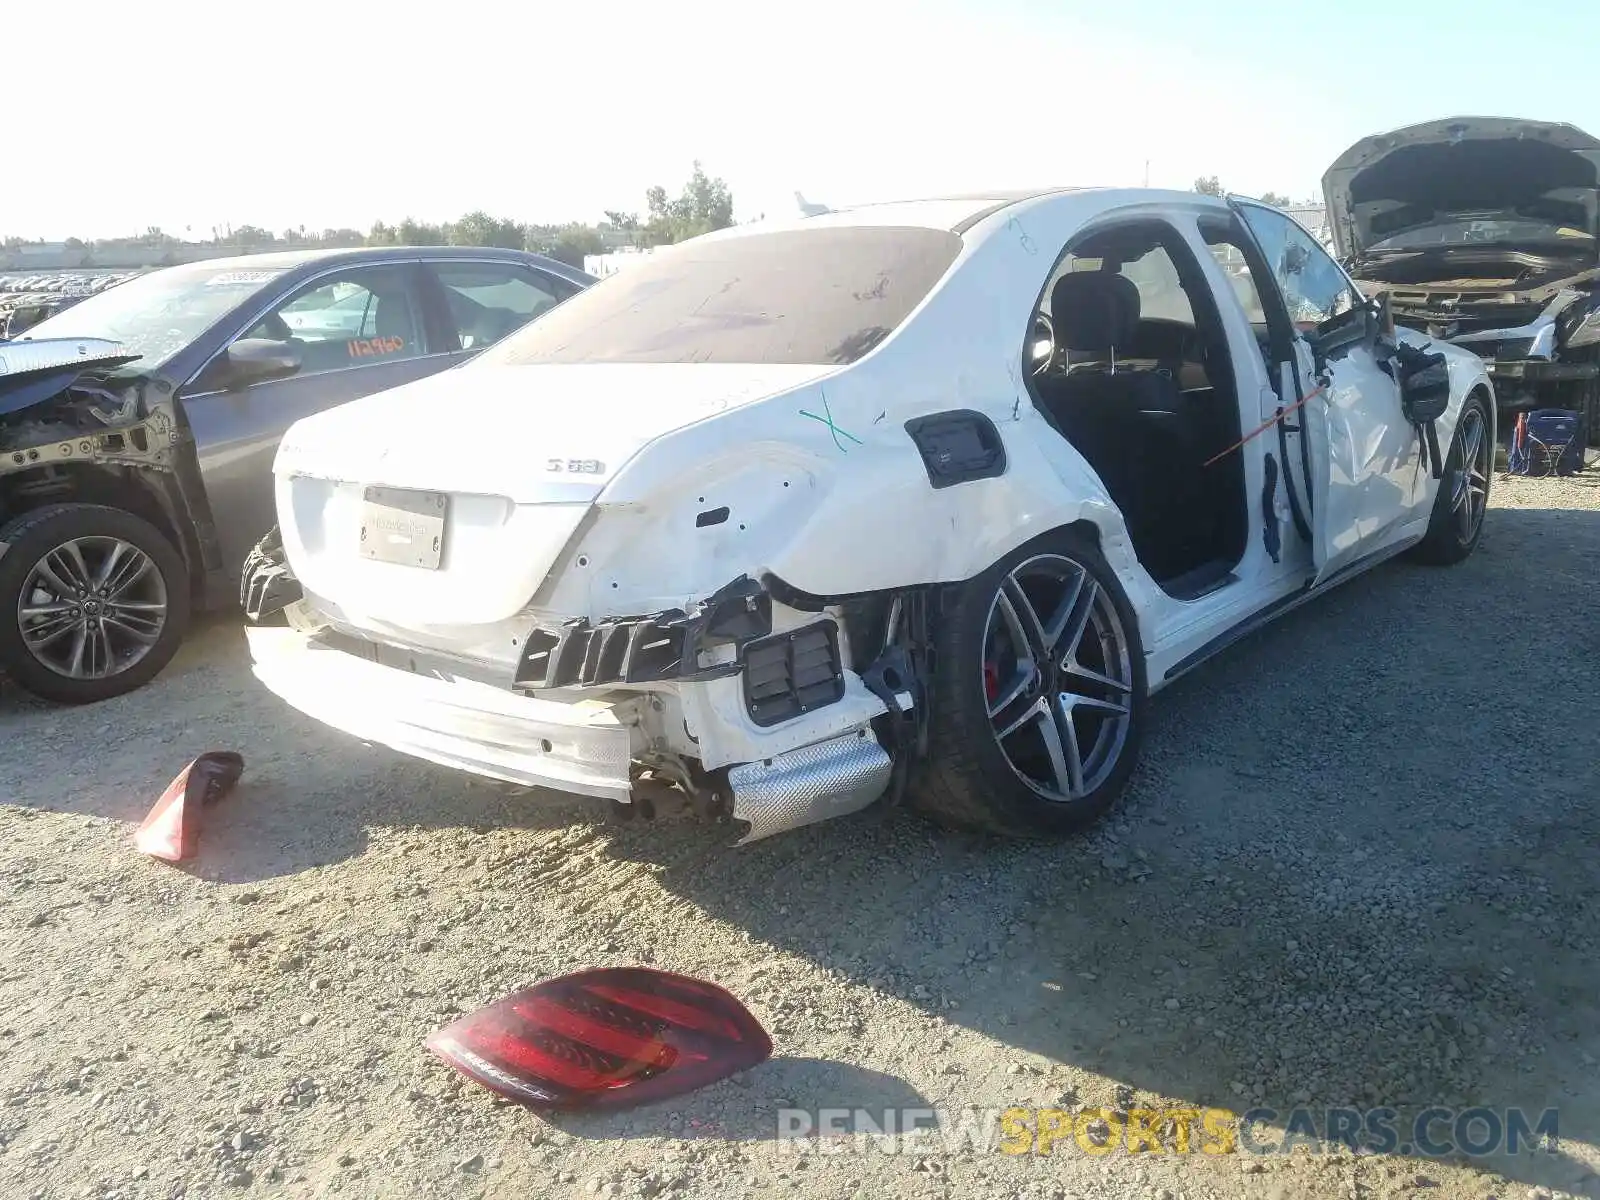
column 75, row 422
column 1484, row 232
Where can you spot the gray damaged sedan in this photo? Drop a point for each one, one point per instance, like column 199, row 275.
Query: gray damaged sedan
column 138, row 429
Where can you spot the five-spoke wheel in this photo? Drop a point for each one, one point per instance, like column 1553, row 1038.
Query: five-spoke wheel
column 1470, row 464
column 1058, row 678
column 1038, row 693
column 1456, row 523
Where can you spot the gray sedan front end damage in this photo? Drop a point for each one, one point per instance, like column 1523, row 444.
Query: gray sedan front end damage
column 58, row 403
column 96, row 467
column 1485, row 232
column 69, row 407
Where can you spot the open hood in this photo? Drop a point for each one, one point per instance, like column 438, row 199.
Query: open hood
column 1490, row 167
column 32, row 372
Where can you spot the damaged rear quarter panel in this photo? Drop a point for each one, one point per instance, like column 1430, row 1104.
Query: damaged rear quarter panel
column 684, row 541
column 824, row 487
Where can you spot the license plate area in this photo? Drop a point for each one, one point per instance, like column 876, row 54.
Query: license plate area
column 403, row 527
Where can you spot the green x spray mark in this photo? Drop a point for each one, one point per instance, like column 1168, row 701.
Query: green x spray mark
column 827, row 419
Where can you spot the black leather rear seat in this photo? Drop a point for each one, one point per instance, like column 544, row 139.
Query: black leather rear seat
column 1130, row 424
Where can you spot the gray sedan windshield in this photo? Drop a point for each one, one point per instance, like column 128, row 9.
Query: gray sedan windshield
column 158, row 314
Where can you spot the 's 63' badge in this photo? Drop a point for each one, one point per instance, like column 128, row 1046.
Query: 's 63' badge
column 575, row 466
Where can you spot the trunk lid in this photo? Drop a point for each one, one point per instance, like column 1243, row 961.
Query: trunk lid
column 518, row 454
column 1466, row 167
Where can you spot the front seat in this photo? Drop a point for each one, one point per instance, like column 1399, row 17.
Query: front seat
column 391, row 318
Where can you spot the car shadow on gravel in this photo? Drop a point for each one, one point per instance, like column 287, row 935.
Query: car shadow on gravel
column 1357, row 870
column 294, row 809
column 208, row 657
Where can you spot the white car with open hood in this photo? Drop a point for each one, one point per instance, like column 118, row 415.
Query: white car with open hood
column 912, row 502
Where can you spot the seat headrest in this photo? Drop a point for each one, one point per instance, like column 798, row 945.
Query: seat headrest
column 391, row 315
column 1095, row 311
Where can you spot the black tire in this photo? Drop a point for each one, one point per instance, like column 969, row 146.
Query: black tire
column 969, row 781
column 1588, row 406
column 36, row 534
column 1448, row 541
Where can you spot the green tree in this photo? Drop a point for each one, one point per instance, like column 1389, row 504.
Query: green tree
column 1208, row 185
column 568, row 243
column 625, row 223
column 480, row 229
column 250, row 236
column 704, row 205
column 1276, row 199
column 418, row 233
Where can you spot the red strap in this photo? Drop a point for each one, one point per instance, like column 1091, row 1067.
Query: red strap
column 1266, row 425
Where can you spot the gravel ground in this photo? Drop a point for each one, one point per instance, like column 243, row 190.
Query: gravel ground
column 1358, row 867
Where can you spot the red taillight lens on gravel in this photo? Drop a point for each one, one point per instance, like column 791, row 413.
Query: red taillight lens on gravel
column 171, row 830
column 607, row 1038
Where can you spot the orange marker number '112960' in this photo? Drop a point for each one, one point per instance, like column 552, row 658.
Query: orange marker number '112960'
column 372, row 347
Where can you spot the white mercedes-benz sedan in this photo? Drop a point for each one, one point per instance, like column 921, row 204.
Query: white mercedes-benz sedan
column 915, row 502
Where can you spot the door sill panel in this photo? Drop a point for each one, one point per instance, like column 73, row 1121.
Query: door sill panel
column 1281, row 606
column 1204, row 580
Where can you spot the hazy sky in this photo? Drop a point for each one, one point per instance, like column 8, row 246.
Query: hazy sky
column 339, row 114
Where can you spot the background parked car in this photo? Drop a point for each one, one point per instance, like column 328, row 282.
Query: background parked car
column 135, row 472
column 25, row 300
column 1485, row 232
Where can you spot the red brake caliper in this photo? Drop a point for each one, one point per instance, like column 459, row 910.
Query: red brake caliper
column 991, row 680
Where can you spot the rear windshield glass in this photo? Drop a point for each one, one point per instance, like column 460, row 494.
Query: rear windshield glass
column 822, row 295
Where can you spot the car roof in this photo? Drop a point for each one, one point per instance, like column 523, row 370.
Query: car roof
column 954, row 213
column 288, row 260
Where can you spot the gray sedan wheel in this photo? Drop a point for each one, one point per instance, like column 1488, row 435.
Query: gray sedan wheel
column 94, row 602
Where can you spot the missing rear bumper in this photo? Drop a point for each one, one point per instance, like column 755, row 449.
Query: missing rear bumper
column 267, row 585
column 659, row 647
column 581, row 747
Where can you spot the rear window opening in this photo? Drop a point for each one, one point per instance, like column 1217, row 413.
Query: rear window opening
column 826, row 295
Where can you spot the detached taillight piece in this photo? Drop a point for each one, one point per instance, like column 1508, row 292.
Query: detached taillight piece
column 607, row 1038
column 171, row 830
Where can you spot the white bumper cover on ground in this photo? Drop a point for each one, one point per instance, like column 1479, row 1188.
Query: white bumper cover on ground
column 576, row 747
